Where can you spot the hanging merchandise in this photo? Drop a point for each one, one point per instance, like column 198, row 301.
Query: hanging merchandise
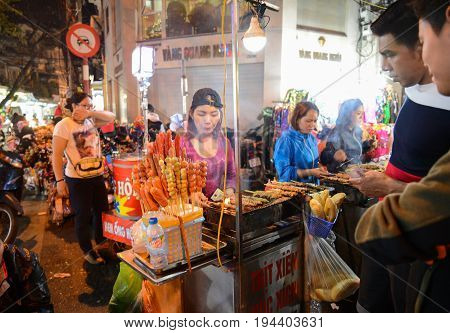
column 252, row 157
column 136, row 131
column 118, row 141
column 328, row 276
column 124, row 138
column 294, row 96
column 267, row 137
column 382, row 134
column 387, row 113
column 387, row 106
column 281, row 124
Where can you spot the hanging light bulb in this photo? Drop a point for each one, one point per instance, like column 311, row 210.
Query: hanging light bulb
column 254, row 38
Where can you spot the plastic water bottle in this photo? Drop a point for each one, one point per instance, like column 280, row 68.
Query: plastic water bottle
column 156, row 244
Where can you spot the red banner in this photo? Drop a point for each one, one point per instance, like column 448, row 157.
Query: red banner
column 117, row 228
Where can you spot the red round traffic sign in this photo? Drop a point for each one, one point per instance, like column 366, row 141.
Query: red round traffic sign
column 82, row 40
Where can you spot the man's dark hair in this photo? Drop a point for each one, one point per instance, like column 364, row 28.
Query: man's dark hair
column 399, row 20
column 432, row 11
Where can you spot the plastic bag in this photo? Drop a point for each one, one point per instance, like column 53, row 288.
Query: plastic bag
column 28, row 289
column 138, row 238
column 328, row 276
column 67, row 208
column 60, row 208
column 126, row 295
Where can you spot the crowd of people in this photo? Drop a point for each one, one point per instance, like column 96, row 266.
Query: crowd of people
column 410, row 229
column 298, row 155
column 405, row 237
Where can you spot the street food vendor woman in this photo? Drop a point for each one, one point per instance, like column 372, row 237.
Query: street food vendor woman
column 205, row 141
column 296, row 154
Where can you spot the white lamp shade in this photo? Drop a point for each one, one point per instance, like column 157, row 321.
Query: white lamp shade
column 254, row 44
column 254, row 39
column 142, row 60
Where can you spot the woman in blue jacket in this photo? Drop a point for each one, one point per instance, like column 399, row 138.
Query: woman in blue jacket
column 296, row 154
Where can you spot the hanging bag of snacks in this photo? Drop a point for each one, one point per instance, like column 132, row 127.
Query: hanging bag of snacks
column 329, row 278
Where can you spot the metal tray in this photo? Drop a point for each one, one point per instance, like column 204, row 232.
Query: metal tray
column 284, row 228
column 313, row 188
column 257, row 219
column 174, row 270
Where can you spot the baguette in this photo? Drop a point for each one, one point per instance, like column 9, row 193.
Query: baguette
column 322, row 295
column 338, row 199
column 317, row 209
column 316, row 196
column 330, row 210
column 324, row 195
column 344, row 289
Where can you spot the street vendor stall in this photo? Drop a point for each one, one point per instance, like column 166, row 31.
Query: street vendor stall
column 203, row 240
column 270, row 235
column 240, row 252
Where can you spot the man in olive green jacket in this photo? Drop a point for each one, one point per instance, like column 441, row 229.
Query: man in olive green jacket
column 415, row 225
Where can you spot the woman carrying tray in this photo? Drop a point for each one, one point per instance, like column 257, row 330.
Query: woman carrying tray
column 296, row 155
column 204, row 141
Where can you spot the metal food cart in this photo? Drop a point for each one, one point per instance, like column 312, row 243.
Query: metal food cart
column 268, row 276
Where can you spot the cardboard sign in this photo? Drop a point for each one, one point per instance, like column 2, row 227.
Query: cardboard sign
column 117, row 228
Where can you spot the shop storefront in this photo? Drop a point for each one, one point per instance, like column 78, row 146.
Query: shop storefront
column 298, row 48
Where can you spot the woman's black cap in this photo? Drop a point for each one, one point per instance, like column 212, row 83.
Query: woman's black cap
column 206, row 96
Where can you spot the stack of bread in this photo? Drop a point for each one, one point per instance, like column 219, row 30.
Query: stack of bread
column 330, row 278
column 325, row 207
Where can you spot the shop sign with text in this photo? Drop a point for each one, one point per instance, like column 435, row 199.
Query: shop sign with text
column 317, row 55
column 201, row 51
column 274, row 281
column 117, row 228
